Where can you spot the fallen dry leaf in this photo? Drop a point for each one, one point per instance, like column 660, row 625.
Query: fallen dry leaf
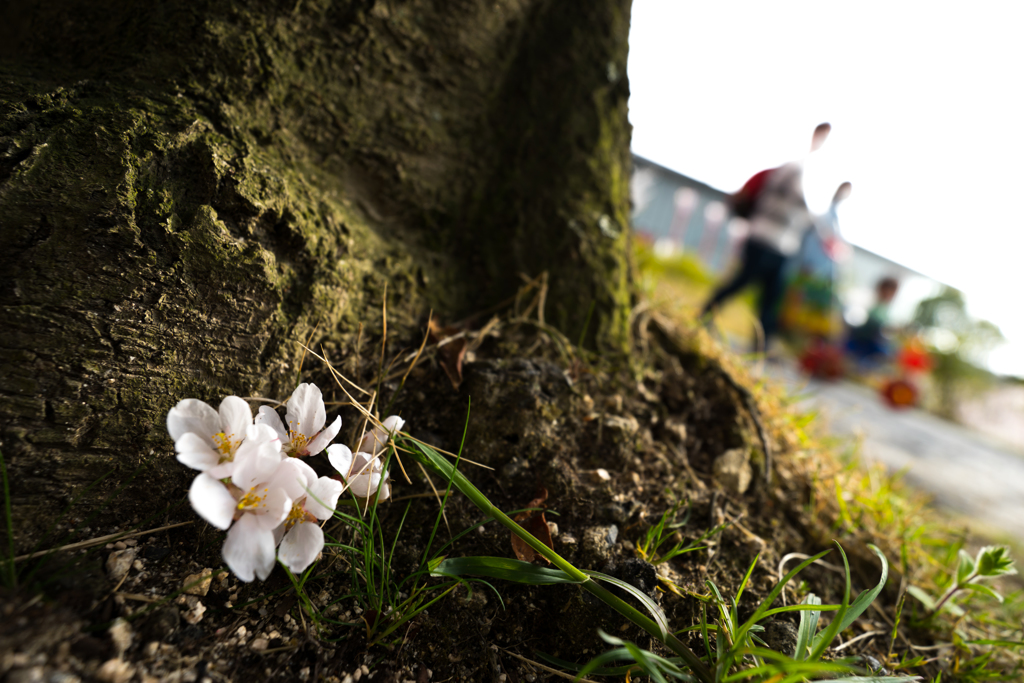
column 536, row 524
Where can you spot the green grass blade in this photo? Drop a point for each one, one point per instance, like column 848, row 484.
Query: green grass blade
column 799, row 608
column 501, row 568
column 808, row 626
column 746, row 578
column 822, row 640
column 704, row 631
column 451, row 482
column 881, row 679
column 771, row 597
column 435, row 461
column 596, row 665
column 866, row 597
column 649, row 604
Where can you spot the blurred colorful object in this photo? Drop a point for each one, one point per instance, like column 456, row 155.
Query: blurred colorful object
column 914, row 357
column 899, row 393
column 822, row 361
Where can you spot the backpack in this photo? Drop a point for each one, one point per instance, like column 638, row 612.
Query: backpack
column 742, row 202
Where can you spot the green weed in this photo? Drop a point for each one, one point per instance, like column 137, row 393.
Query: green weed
column 650, row 546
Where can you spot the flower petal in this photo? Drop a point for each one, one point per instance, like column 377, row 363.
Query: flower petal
column 258, row 457
column 192, row 415
column 323, row 497
column 268, row 416
column 363, row 463
column 223, row 470
column 235, row 418
column 385, row 489
column 276, row 507
column 300, row 546
column 249, row 549
column 365, row 485
column 306, row 414
column 212, row 501
column 341, row 458
column 376, row 439
column 321, row 440
column 393, row 424
column 195, row 451
column 294, row 477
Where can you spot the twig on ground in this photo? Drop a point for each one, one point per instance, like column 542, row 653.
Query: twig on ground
column 99, row 540
column 548, row 669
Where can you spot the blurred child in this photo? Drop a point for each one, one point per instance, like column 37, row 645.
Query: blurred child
column 867, row 343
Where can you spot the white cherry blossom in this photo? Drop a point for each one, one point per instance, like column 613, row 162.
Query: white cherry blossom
column 245, row 503
column 220, row 502
column 363, row 475
column 363, row 471
column 209, row 440
column 313, row 498
column 255, row 461
column 306, row 415
column 252, row 515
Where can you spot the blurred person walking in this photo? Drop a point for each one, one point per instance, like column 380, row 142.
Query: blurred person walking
column 773, row 202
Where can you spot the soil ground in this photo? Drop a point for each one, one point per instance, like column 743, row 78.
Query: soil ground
column 614, row 443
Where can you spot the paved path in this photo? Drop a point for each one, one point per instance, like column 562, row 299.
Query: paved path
column 962, row 469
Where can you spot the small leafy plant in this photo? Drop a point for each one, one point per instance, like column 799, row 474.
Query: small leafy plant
column 650, row 546
column 990, row 562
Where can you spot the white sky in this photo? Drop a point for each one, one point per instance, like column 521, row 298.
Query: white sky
column 926, row 102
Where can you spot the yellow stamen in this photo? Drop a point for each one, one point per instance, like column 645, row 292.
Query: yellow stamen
column 298, row 443
column 298, row 515
column 225, row 445
column 252, row 500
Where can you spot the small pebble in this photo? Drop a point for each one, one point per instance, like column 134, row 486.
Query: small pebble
column 115, row 671
column 198, row 584
column 259, row 644
column 196, row 610
column 121, row 635
column 120, row 545
column 119, row 562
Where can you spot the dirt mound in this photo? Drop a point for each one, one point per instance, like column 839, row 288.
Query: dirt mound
column 606, row 445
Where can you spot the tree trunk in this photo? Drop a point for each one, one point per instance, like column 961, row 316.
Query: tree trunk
column 188, row 189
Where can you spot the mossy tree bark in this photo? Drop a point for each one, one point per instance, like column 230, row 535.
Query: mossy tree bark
column 189, row 187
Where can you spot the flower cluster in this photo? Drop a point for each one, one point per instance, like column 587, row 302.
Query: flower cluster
column 253, row 484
